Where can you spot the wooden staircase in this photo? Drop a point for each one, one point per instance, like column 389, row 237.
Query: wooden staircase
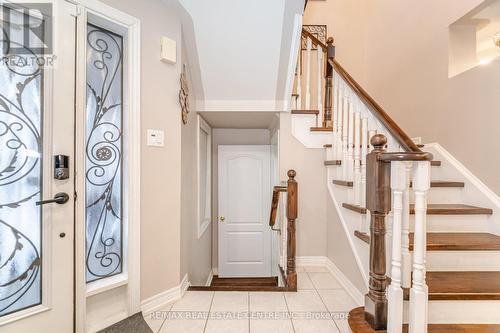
column 455, row 250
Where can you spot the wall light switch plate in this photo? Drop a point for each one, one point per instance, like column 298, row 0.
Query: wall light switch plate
column 156, row 138
column 168, row 50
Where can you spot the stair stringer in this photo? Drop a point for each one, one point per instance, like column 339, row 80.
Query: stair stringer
column 300, row 128
column 358, row 248
column 475, row 191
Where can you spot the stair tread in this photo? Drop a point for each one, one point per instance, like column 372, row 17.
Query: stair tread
column 438, row 209
column 435, row 163
column 358, row 324
column 346, row 183
column 333, row 162
column 312, row 112
column 463, row 285
column 452, row 241
column 434, row 183
column 321, row 129
column 328, row 145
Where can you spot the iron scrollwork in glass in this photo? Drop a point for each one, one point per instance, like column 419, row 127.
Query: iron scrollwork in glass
column 21, row 114
column 104, row 221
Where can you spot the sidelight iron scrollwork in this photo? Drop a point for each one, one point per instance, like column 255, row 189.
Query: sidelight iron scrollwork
column 21, row 114
column 104, row 221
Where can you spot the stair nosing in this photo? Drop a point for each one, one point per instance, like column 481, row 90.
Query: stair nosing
column 461, row 210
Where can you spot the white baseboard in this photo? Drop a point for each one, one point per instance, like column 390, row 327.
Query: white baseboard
column 345, row 282
column 162, row 299
column 335, row 271
column 209, row 279
column 310, row 261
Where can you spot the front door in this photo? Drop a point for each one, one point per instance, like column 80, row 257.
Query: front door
column 36, row 124
column 244, row 204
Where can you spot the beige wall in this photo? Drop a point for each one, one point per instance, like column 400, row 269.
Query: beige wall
column 398, row 50
column 311, row 176
column 196, row 253
column 227, row 136
column 160, row 167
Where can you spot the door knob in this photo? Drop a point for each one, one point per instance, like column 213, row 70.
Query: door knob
column 222, row 218
column 59, row 198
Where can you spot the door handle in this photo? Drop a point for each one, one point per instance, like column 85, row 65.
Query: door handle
column 59, row 198
column 222, row 218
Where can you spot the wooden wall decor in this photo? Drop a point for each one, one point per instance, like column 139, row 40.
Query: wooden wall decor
column 184, row 96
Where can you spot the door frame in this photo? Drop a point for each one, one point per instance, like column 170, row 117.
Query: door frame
column 132, row 143
column 235, row 148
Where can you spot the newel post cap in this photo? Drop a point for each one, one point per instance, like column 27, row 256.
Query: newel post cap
column 378, row 141
column 330, row 40
column 291, row 174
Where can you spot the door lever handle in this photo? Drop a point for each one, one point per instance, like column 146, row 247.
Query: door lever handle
column 59, row 198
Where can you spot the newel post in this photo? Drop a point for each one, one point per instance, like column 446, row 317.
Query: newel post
column 378, row 202
column 291, row 214
column 327, row 115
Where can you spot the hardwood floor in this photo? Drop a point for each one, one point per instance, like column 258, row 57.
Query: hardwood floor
column 359, row 325
column 241, row 284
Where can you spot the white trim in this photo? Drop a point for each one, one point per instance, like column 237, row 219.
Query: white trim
column 349, row 235
column 345, row 282
column 305, row 261
column 202, row 223
column 160, row 300
column 481, row 187
column 100, row 286
column 209, row 279
column 467, row 173
column 93, row 327
column 292, row 64
column 322, row 261
column 132, row 142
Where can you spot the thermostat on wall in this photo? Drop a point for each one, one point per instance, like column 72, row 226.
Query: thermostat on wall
column 168, row 50
column 156, row 138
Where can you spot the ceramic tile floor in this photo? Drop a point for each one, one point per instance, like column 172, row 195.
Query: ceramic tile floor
column 320, row 305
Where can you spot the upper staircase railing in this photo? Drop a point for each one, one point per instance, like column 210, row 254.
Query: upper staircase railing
column 285, row 226
column 382, row 177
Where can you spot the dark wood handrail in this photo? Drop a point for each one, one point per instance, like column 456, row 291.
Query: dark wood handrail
column 274, row 204
column 314, row 39
column 401, row 137
column 291, row 190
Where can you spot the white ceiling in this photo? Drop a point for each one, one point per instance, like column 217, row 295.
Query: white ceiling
column 239, row 119
column 239, row 44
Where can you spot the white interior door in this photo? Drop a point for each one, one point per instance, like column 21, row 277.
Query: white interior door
column 36, row 123
column 244, row 204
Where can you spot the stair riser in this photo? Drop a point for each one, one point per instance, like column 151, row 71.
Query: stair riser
column 442, row 195
column 458, row 223
column 463, row 261
column 457, row 312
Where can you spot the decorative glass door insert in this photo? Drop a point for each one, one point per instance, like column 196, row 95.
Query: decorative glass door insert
column 21, row 165
column 104, row 207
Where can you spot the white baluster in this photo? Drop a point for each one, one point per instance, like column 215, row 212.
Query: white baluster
column 340, row 116
column 299, row 81
column 335, row 102
column 319, row 89
column 405, row 231
column 419, row 292
column 364, row 152
column 357, row 158
column 345, row 132
column 395, row 292
column 350, row 138
column 308, row 73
